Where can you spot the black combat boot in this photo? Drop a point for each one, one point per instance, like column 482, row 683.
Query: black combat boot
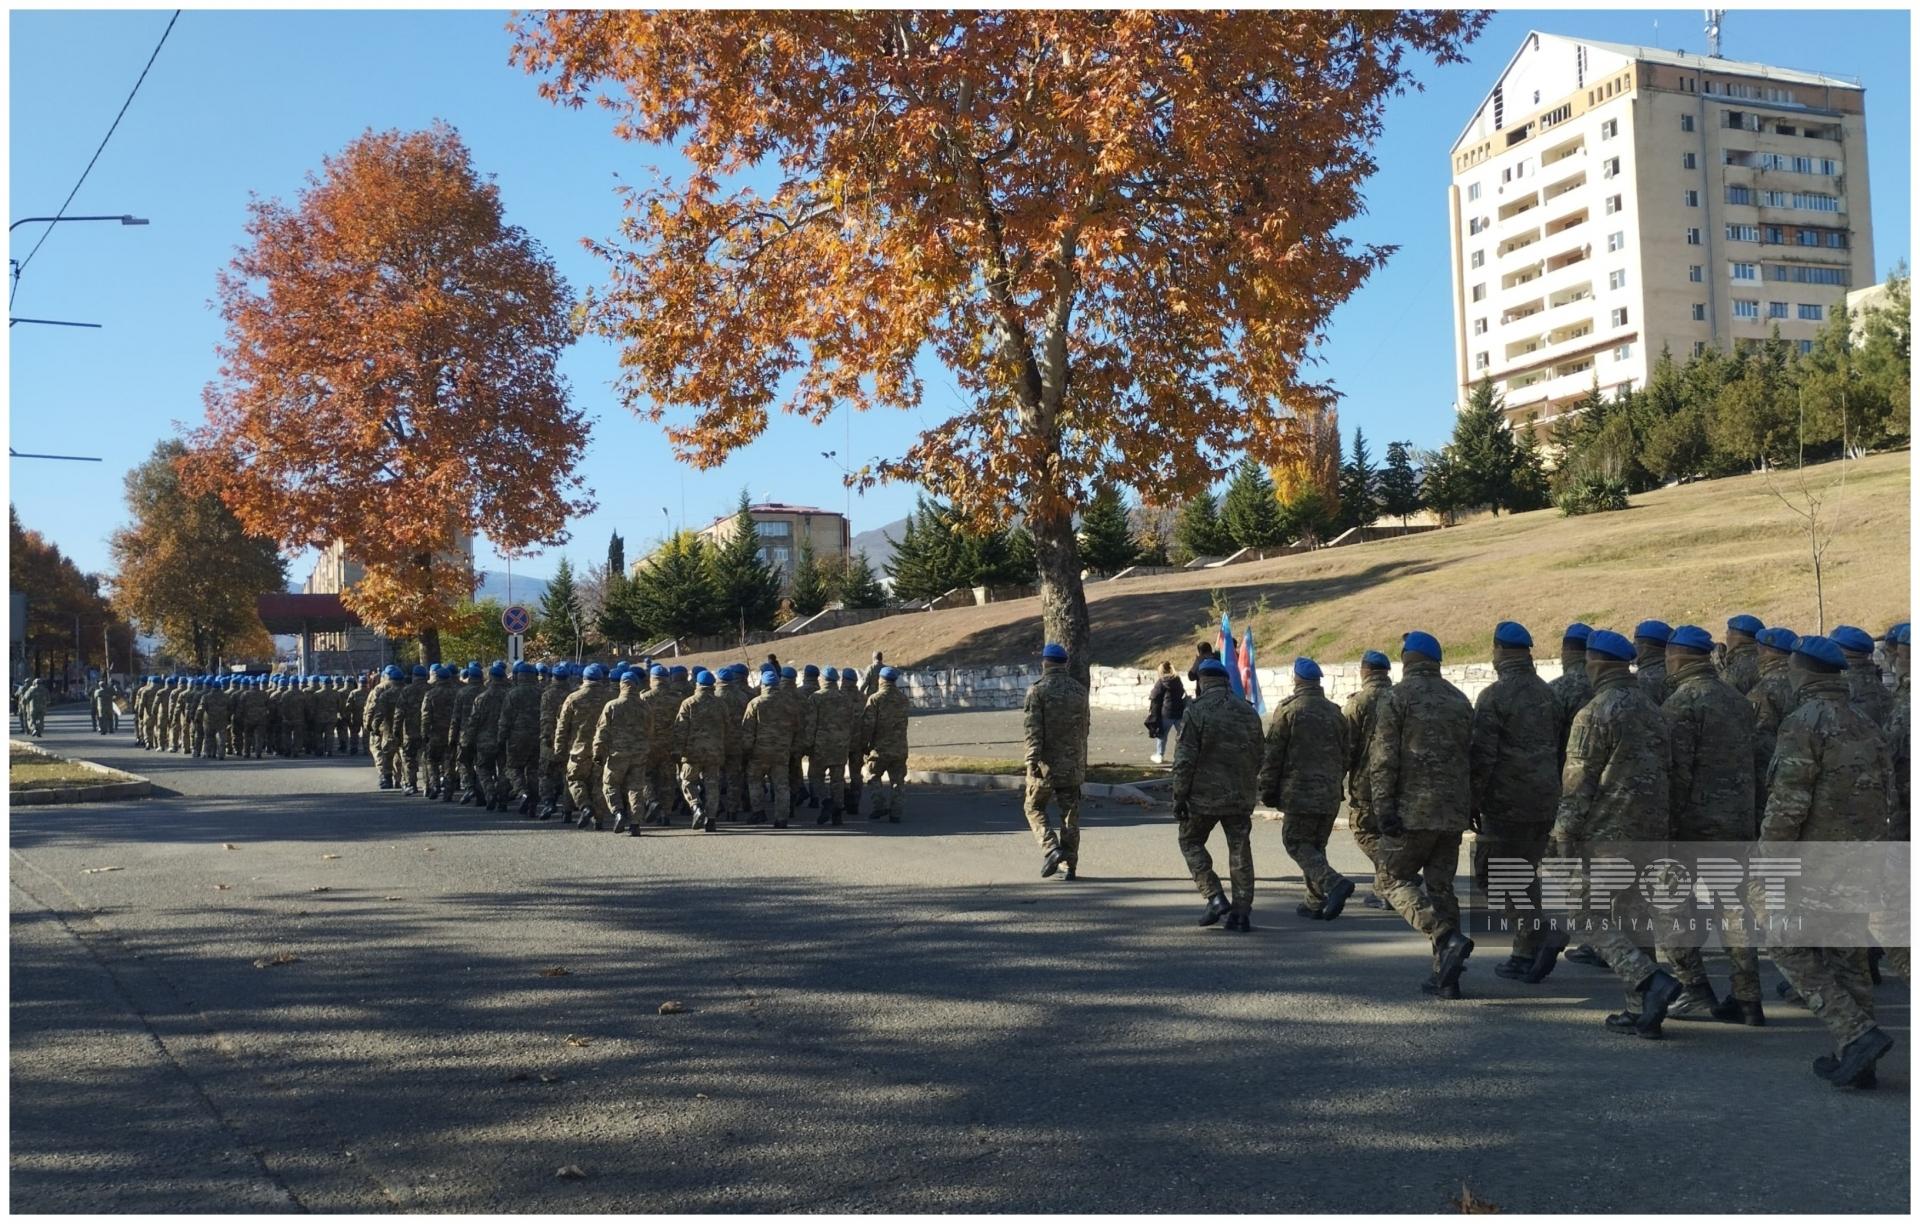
column 826, row 812
column 1307, row 909
column 526, row 804
column 386, row 783
column 1452, row 949
column 1239, row 922
column 446, row 792
column 1585, row 955
column 1514, row 968
column 1336, row 899
column 1072, row 870
column 1657, row 995
column 1856, row 1061
column 466, row 797
column 838, row 811
column 1051, row 863
column 1217, row 908
column 1546, row 956
column 1696, row 1002
column 1740, row 1011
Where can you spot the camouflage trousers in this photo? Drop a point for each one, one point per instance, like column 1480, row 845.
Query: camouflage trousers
column 1523, row 840
column 1615, row 925
column 520, row 770
column 827, row 777
column 1195, row 828
column 386, row 759
column 438, row 775
column 855, row 786
column 584, row 785
column 891, row 774
column 1305, row 840
column 1681, row 947
column 1366, row 833
column 1415, row 876
column 702, row 783
column 627, row 781
column 797, row 778
column 487, row 760
column 213, row 737
column 733, row 791
column 413, row 753
column 553, row 778
column 766, row 773
column 1836, row 984
column 1065, row 792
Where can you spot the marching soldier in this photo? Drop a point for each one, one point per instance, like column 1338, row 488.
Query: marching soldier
column 1300, row 774
column 1057, row 719
column 1215, row 774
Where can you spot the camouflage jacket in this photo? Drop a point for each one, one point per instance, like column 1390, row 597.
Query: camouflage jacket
column 551, row 695
column 661, row 705
column 462, row 710
column 805, row 710
column 1362, row 713
column 215, row 708
column 1900, row 749
column 1874, row 698
column 1615, row 788
column 766, row 729
column 1740, row 667
column 883, row 724
column 436, row 711
column 483, row 718
column 1216, row 768
column 831, row 720
column 1832, row 777
column 1057, row 718
column 1571, row 690
column 623, row 727
column 1516, row 746
column 1650, row 671
column 412, row 702
column 1771, row 699
column 520, row 720
column 738, row 698
column 250, row 709
column 383, row 718
column 1306, row 754
column 1419, row 766
column 705, row 731
column 1710, row 769
column 580, row 718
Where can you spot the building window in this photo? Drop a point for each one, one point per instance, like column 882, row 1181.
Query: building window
column 1479, row 327
column 1816, row 201
column 1693, row 237
column 1837, row 239
column 1737, row 194
column 1623, row 352
column 1612, row 205
column 1696, row 273
column 1699, row 312
column 1619, row 317
column 1746, row 272
column 1617, row 240
column 1686, row 123
column 1805, row 347
column 1475, row 225
column 1609, row 129
column 1812, row 314
column 1776, row 310
column 1480, row 361
column 1477, row 259
column 1690, row 199
column 1773, row 234
column 1699, row 347
column 1746, row 308
column 1610, row 167
column 1743, row 233
column 1689, row 162
column 1480, row 292
column 1473, row 192
column 1617, row 279
column 1802, row 275
column 778, row 530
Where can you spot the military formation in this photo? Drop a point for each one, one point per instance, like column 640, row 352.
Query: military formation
column 248, row 717
column 1761, row 742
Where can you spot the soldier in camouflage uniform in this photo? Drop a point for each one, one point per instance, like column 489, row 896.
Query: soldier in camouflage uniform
column 413, row 738
column 216, row 711
column 660, row 702
column 830, row 729
column 1362, row 714
column 1900, row 749
column 189, row 716
column 276, row 691
column 1650, row 659
column 1613, row 805
column 1772, row 698
column 106, row 719
column 621, row 741
column 1515, row 769
column 800, row 765
column 573, row 740
column 436, row 726
column 1740, row 665
column 1300, row 774
column 732, row 800
column 1419, row 773
column 520, row 741
column 383, row 725
column 1215, row 774
column 459, row 757
column 481, row 735
column 1057, row 719
column 1832, row 782
column 293, row 717
column 856, row 703
column 553, row 780
column 766, row 737
column 1863, row 678
column 704, row 729
column 1711, row 784
column 883, row 734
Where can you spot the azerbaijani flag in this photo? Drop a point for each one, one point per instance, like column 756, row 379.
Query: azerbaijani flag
column 1251, row 678
column 1227, row 656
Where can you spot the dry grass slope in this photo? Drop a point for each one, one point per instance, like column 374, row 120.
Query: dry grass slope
column 1695, row 554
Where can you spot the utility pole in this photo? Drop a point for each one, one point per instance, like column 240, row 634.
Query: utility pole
column 1714, row 20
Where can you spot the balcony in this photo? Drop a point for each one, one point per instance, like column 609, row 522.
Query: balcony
column 1561, row 152
column 1513, row 314
column 1569, row 336
column 1567, row 296
column 1522, row 275
column 1560, row 225
column 1514, row 208
column 1516, row 243
column 1572, row 182
column 1569, row 257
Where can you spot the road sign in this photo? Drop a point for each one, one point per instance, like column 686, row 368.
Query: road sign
column 515, row 648
column 516, row 619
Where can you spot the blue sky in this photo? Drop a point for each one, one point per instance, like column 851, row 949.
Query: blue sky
column 245, row 102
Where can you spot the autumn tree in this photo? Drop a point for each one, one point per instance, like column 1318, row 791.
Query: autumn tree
column 69, row 622
column 1106, row 225
column 187, row 571
column 389, row 377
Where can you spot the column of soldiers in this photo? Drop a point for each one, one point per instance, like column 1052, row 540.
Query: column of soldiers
column 640, row 745
column 245, row 717
column 1643, row 745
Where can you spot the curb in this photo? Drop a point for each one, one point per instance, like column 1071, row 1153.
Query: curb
column 129, row 786
column 1088, row 790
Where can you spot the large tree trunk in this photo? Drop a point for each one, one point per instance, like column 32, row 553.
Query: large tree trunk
column 1063, row 600
column 430, row 646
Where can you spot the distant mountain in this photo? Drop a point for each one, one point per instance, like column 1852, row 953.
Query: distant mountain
column 874, row 544
column 527, row 589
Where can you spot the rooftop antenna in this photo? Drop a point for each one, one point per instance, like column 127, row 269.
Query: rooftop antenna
column 1713, row 31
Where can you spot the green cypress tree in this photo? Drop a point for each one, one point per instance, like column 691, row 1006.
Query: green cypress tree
column 1441, row 486
column 1483, row 450
column 1106, row 537
column 560, row 611
column 809, row 591
column 1359, row 485
column 746, row 588
column 1198, row 531
column 929, row 559
column 675, row 595
column 857, row 586
column 1250, row 513
column 615, row 621
column 1399, row 483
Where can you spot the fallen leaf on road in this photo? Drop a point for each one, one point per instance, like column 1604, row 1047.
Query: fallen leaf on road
column 672, row 1008
column 282, row 958
column 570, row 1172
column 1469, row 1204
column 390, row 898
column 572, row 1040
column 518, row 1077
column 329, row 856
column 319, row 888
column 228, row 846
column 221, row 887
column 552, row 1079
column 98, row 870
column 556, row 971
column 701, row 1096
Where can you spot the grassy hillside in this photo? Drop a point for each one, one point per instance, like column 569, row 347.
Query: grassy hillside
column 1693, row 554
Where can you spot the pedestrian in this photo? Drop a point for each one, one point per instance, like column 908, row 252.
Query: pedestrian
column 1165, row 705
column 883, row 738
column 1301, row 770
column 1202, row 651
column 1421, row 790
column 1056, row 722
column 1515, row 758
column 1613, row 806
column 1740, row 663
column 1215, row 774
column 459, row 759
column 1832, row 782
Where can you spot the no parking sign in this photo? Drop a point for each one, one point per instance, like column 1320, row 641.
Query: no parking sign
column 516, row 619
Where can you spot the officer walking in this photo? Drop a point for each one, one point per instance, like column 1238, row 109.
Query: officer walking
column 1215, row 773
column 1300, row 774
column 1056, row 719
column 1362, row 714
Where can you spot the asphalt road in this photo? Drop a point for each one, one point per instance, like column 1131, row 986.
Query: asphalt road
column 876, row 1018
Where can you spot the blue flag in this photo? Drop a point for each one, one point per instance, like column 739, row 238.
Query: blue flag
column 1253, row 677
column 1227, row 656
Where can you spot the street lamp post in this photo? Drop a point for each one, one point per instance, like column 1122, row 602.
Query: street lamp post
column 123, row 218
column 14, row 264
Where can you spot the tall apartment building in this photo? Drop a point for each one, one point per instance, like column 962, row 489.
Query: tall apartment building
column 1609, row 200
column 782, row 528
column 334, row 571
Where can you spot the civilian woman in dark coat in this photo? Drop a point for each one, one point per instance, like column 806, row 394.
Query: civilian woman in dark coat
column 1165, row 704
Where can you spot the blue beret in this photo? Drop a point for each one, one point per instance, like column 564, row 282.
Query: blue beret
column 389, row 671
column 832, row 673
column 1374, row 658
column 417, row 670
column 1609, row 645
column 1749, row 625
column 632, row 675
column 1306, row 669
column 1421, row 643
column 657, row 670
column 1578, row 631
column 787, row 673
column 473, row 671
column 1900, row 634
column 1846, row 637
column 1211, row 667
column 887, row 673
column 596, row 672
column 769, row 677
column 1779, row 637
column 541, row 669
column 1652, row 630
column 703, row 677
column 1054, row 651
column 810, row 670
column 849, row 673
column 1512, row 633
column 497, row 668
column 1691, row 637
column 1821, row 650
column 523, row 668
column 678, row 673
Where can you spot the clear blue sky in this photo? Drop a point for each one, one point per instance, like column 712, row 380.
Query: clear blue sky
column 245, row 102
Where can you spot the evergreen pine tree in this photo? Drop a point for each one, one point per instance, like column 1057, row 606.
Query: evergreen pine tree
column 746, row 588
column 616, row 555
column 1483, row 450
column 857, row 586
column 1442, row 488
column 1023, row 567
column 1106, row 537
column 1399, row 483
column 1359, row 486
column 1198, row 532
column 924, row 563
column 1530, row 490
column 616, row 623
column 1250, row 513
column 809, row 591
column 560, row 611
column 675, row 594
